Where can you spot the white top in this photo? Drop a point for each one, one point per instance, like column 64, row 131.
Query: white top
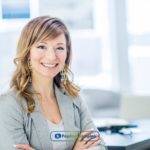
column 56, row 131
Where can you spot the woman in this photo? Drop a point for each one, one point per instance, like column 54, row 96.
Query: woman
column 43, row 110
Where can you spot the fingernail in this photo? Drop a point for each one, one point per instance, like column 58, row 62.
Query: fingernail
column 15, row 145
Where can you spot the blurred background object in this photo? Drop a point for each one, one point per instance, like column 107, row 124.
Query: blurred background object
column 110, row 41
column 135, row 107
column 102, row 103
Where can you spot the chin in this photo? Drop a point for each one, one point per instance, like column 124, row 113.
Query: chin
column 49, row 76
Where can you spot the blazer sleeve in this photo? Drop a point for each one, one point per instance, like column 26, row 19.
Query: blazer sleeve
column 87, row 124
column 11, row 123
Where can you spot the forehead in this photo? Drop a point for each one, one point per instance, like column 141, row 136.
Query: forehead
column 58, row 39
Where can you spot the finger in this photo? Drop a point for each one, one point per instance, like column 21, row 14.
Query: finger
column 80, row 142
column 95, row 143
column 95, row 137
column 22, row 146
column 92, row 140
column 91, row 137
column 84, row 134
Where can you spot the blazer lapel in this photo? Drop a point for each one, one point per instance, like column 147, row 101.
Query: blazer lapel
column 65, row 103
column 41, row 127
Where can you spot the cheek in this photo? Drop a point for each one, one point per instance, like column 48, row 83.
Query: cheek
column 35, row 58
column 63, row 58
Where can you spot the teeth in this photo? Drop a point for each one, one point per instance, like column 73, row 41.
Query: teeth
column 49, row 65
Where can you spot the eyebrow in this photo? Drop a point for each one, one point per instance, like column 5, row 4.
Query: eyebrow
column 57, row 43
column 60, row 43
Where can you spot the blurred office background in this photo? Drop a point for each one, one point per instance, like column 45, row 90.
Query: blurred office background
column 110, row 40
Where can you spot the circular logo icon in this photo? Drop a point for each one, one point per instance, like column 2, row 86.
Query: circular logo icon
column 58, row 135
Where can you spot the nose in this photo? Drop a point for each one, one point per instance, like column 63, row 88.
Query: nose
column 51, row 54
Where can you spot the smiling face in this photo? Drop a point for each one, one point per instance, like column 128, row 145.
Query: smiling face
column 47, row 58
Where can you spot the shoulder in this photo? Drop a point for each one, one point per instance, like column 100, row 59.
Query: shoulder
column 78, row 101
column 7, row 98
column 9, row 102
column 11, row 112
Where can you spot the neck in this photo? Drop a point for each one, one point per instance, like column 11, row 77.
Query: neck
column 44, row 88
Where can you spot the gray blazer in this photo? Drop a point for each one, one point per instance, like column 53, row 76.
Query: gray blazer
column 18, row 126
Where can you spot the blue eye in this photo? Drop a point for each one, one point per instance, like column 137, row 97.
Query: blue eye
column 41, row 47
column 60, row 48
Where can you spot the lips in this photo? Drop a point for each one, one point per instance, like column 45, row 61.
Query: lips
column 49, row 66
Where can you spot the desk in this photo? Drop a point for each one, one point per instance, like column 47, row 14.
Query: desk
column 138, row 141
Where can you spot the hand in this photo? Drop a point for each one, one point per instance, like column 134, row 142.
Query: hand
column 87, row 140
column 23, row 147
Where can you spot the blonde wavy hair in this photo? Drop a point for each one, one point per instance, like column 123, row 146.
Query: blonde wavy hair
column 39, row 29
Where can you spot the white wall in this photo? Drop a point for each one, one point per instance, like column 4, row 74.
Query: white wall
column 8, row 42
